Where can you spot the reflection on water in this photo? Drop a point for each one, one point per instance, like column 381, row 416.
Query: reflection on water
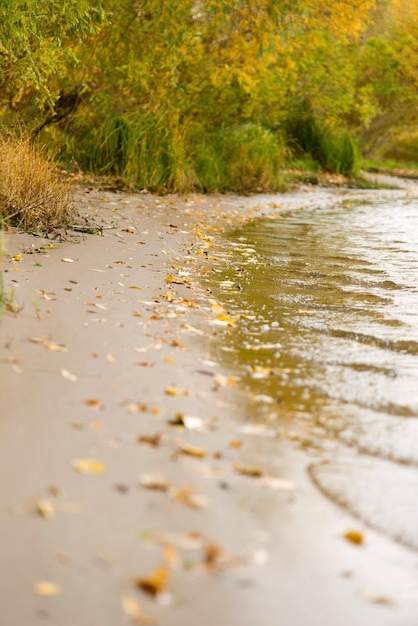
column 328, row 321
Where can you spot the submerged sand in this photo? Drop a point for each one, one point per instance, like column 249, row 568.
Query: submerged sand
column 124, row 466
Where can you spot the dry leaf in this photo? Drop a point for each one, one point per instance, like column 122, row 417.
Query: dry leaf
column 156, row 583
column 159, row 482
column 89, row 467
column 46, row 588
column 134, row 611
column 93, row 403
column 135, row 287
column 45, row 508
column 152, row 440
column 55, row 347
column 68, row 376
column 187, row 448
column 185, row 495
column 39, row 340
column 173, row 391
column 376, row 598
column 276, row 483
column 354, row 536
column 66, row 260
column 248, row 470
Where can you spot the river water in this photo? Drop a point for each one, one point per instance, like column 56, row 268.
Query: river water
column 325, row 340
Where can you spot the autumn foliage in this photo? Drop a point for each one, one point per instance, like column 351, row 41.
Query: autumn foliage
column 211, row 94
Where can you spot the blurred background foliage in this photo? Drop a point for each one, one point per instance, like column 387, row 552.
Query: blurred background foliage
column 212, row 95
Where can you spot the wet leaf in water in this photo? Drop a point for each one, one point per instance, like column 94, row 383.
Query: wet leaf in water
column 187, row 448
column 89, row 467
column 135, row 612
column 354, row 536
column 46, row 588
column 157, row 481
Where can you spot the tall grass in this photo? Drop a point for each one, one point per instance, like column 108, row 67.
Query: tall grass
column 31, row 194
column 161, row 153
column 334, row 149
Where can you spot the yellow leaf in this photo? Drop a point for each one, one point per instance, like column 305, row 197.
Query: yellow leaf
column 187, row 448
column 66, row 260
column 46, row 588
column 173, row 391
column 134, row 611
column 89, row 467
column 55, row 347
column 354, row 536
column 45, row 508
column 17, row 257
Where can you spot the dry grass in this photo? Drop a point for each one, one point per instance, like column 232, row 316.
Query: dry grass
column 32, row 195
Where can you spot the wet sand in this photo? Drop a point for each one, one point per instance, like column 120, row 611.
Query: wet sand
column 108, row 359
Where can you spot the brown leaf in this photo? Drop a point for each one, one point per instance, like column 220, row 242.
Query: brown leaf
column 156, row 583
column 248, row 470
column 152, row 440
column 93, row 403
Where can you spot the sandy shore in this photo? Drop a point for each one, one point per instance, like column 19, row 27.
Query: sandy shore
column 121, row 452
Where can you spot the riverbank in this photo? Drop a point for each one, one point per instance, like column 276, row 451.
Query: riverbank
column 125, row 446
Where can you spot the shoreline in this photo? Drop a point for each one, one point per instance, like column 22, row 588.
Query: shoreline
column 111, row 350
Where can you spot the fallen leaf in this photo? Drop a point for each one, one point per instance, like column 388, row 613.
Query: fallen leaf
column 256, row 429
column 135, row 287
column 187, row 448
column 17, row 257
column 152, row 440
column 158, row 482
column 39, row 340
column 46, row 295
column 376, row 598
column 68, row 376
column 93, row 403
column 186, row 496
column 177, row 392
column 156, row 583
column 55, row 347
column 354, row 536
column 89, row 467
column 46, row 588
column 248, row 470
column 135, row 612
column 110, row 358
column 235, row 443
column 66, row 260
column 45, row 508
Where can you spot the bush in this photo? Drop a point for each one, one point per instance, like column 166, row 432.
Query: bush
column 31, row 193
